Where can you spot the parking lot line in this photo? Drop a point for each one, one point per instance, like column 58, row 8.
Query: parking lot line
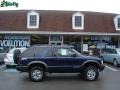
column 113, row 69
column 11, row 70
column 2, row 66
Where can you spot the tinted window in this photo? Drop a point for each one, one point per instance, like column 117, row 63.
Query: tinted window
column 50, row 53
column 34, row 51
column 113, row 51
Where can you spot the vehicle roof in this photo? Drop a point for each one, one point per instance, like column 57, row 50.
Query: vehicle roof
column 19, row 48
column 49, row 46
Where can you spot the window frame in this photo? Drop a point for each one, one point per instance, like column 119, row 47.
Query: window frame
column 28, row 20
column 115, row 19
column 82, row 21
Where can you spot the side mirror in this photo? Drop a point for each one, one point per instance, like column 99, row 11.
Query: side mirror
column 74, row 55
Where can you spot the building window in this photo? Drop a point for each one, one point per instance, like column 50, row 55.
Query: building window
column 117, row 22
column 33, row 20
column 78, row 21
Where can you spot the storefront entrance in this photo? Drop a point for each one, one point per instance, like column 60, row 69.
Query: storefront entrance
column 55, row 40
column 83, row 44
column 73, row 40
column 55, row 43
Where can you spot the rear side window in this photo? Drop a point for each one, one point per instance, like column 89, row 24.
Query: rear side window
column 33, row 51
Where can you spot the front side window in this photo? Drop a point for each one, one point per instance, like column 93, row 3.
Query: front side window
column 63, row 52
column 33, row 20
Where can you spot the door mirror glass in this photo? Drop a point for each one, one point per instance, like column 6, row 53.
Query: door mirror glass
column 74, row 55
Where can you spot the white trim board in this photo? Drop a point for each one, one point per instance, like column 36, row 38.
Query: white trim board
column 60, row 33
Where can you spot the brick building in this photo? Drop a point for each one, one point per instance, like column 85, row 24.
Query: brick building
column 82, row 29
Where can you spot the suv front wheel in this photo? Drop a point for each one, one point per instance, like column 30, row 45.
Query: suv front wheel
column 36, row 73
column 91, row 73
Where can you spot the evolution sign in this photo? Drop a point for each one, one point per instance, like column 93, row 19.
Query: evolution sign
column 15, row 41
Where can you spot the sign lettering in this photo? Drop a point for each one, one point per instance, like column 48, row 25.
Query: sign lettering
column 5, row 3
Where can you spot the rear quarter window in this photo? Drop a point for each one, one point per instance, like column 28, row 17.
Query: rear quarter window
column 34, row 51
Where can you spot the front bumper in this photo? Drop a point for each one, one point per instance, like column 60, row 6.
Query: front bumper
column 22, row 68
column 102, row 67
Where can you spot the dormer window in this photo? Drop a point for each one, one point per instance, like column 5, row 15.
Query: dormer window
column 33, row 20
column 117, row 22
column 78, row 21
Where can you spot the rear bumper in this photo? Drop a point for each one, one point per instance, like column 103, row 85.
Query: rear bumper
column 22, row 68
column 10, row 63
column 102, row 67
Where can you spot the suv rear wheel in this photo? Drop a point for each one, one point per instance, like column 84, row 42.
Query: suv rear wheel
column 36, row 73
column 91, row 73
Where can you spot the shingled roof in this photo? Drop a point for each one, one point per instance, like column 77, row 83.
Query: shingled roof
column 57, row 21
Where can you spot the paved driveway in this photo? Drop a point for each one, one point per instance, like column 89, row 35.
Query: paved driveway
column 10, row 79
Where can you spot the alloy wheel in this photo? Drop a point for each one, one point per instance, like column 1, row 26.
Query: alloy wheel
column 36, row 74
column 91, row 73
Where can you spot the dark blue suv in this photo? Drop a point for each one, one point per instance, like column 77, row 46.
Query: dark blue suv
column 37, row 60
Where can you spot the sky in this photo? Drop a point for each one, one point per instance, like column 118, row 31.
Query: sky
column 108, row 6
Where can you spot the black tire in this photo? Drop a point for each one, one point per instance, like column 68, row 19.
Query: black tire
column 16, row 56
column 36, row 74
column 91, row 70
column 115, row 63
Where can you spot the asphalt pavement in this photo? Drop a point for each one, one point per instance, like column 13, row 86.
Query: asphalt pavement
column 10, row 79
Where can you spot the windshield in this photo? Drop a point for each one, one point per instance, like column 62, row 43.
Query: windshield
column 118, row 50
column 12, row 50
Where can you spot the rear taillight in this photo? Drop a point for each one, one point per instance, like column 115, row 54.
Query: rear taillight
column 5, row 57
